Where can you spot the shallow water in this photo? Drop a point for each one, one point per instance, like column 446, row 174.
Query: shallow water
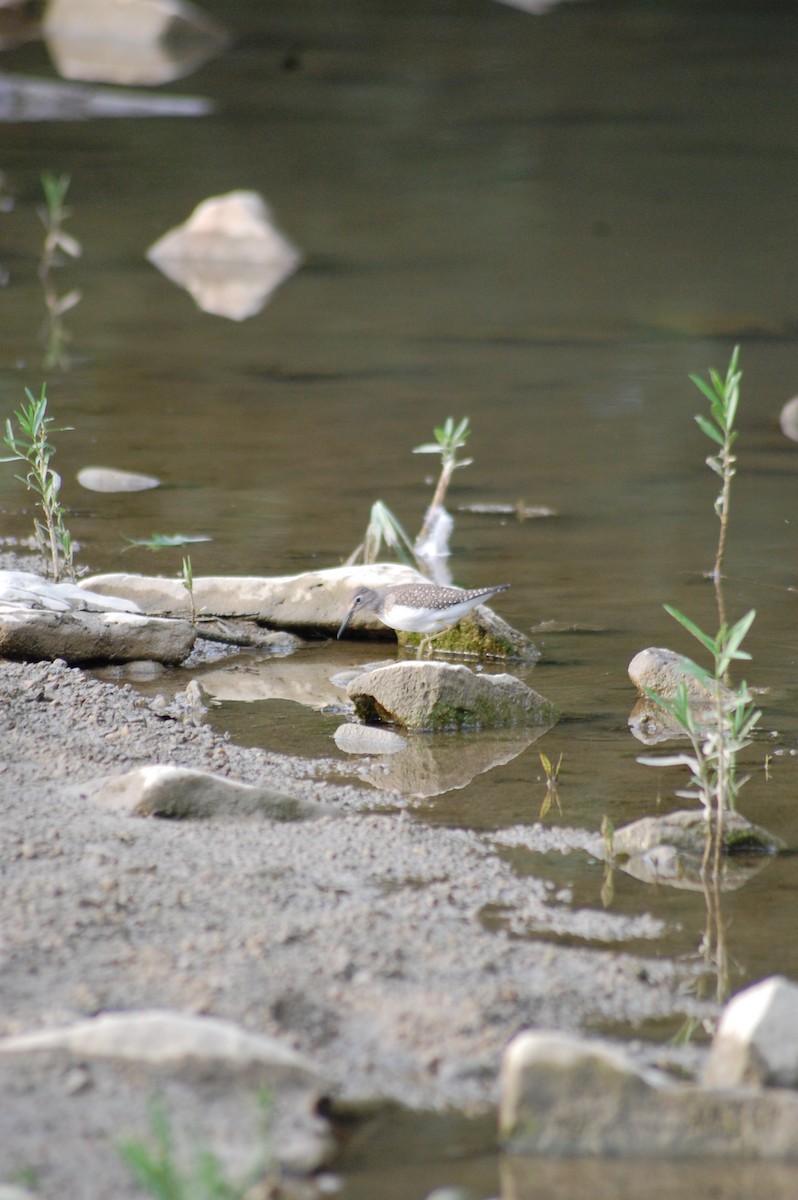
column 542, row 222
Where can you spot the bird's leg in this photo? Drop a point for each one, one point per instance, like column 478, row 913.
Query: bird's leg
column 428, row 639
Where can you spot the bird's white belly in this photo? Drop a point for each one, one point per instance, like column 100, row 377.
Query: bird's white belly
column 410, row 620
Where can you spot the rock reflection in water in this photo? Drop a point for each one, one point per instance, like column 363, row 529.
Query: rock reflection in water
column 433, row 764
column 229, row 255
column 130, row 42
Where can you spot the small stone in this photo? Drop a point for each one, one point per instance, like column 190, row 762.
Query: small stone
column 757, row 1038
column 108, row 479
column 77, row 1080
column 179, row 793
column 365, row 739
column 789, row 419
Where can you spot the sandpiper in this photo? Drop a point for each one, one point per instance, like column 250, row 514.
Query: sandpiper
column 419, row 607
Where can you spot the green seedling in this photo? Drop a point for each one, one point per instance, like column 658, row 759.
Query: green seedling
column 449, row 438
column 384, row 528
column 718, row 728
column 157, row 1169
column 724, row 398
column 30, row 444
column 719, row 721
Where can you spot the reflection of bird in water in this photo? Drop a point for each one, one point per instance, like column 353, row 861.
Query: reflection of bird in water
column 419, row 607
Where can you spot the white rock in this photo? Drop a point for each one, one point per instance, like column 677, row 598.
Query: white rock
column 163, row 790
column 757, row 1037
column 26, row 590
column 365, row 739
column 109, row 479
column 312, row 599
column 163, row 1037
column 788, row 419
column 546, row 1070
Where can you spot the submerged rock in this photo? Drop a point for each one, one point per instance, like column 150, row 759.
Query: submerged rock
column 433, row 695
column 365, row 739
column 662, row 671
column 671, row 849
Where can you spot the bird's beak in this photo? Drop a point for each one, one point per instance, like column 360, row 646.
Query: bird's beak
column 345, row 621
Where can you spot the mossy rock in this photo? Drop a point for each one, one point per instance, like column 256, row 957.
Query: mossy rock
column 483, row 635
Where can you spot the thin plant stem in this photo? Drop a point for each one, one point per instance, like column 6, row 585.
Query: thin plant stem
column 31, row 445
column 449, row 438
column 723, row 394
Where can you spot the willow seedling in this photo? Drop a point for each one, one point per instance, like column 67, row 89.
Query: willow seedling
column 717, row 730
column 31, row 445
column 724, row 398
column 156, row 1166
column 720, row 726
column 384, row 527
column 449, row 438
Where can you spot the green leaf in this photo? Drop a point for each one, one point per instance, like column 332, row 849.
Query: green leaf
column 709, row 429
column 691, row 627
column 704, row 387
column 717, row 382
column 704, row 677
column 739, row 631
column 383, row 526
